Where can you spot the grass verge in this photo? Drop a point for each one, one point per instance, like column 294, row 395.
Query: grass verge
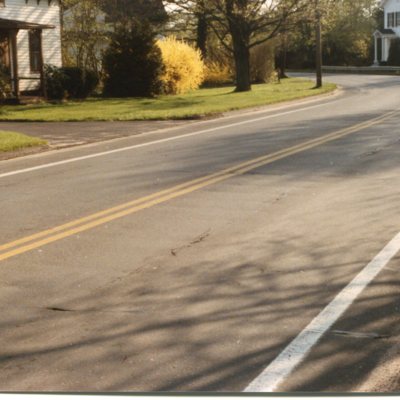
column 10, row 141
column 199, row 103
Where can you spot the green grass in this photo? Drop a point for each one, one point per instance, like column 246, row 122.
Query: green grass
column 198, row 103
column 10, row 141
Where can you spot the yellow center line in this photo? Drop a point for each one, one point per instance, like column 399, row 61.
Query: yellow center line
column 76, row 226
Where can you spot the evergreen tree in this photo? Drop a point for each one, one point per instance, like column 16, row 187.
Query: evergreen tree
column 133, row 63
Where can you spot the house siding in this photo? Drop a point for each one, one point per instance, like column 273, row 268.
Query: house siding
column 392, row 6
column 41, row 13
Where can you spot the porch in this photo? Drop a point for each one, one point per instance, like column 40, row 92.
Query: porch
column 9, row 54
column 382, row 39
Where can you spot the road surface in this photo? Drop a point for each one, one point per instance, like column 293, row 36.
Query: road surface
column 192, row 259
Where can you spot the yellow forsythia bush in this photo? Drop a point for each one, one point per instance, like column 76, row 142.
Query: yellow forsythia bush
column 184, row 68
column 217, row 74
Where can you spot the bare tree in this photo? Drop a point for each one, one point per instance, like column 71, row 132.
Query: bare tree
column 123, row 12
column 84, row 34
column 243, row 24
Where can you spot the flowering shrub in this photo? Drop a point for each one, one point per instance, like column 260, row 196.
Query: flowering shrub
column 183, row 66
column 217, row 74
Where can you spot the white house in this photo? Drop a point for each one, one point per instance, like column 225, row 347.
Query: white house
column 391, row 29
column 30, row 36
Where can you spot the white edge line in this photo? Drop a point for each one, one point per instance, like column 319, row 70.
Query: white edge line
column 173, row 138
column 269, row 380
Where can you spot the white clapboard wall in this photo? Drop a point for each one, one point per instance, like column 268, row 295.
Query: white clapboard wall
column 42, row 13
column 391, row 6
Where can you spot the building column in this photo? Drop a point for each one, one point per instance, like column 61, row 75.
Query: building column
column 43, row 87
column 376, row 61
column 387, row 47
column 14, row 63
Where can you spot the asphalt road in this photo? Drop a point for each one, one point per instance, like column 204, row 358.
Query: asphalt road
column 188, row 260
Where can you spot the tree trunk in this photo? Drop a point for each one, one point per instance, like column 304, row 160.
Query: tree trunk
column 202, row 34
column 318, row 62
column 240, row 33
column 242, row 64
column 280, row 62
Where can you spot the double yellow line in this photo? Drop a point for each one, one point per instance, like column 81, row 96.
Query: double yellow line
column 74, row 227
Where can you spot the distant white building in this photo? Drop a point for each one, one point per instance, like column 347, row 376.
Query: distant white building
column 30, row 36
column 391, row 30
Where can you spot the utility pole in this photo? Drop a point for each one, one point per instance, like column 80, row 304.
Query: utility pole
column 318, row 42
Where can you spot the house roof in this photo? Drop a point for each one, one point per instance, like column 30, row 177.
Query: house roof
column 387, row 31
column 15, row 24
column 384, row 33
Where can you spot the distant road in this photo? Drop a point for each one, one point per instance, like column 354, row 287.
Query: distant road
column 191, row 260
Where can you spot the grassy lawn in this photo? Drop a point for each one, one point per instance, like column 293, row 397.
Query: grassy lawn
column 10, row 141
column 198, row 103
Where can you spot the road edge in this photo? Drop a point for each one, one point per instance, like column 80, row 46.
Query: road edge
column 338, row 91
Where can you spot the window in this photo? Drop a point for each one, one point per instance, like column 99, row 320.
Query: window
column 393, row 19
column 397, row 19
column 390, row 20
column 35, row 50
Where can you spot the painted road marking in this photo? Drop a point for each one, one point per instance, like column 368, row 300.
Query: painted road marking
column 51, row 235
column 170, row 139
column 270, row 379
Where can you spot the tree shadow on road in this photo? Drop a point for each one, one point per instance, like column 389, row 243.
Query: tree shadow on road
column 213, row 315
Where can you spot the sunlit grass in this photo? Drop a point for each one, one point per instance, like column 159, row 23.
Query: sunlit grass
column 196, row 104
column 10, row 141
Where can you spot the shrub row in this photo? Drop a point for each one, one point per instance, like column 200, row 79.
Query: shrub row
column 69, row 82
column 136, row 64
